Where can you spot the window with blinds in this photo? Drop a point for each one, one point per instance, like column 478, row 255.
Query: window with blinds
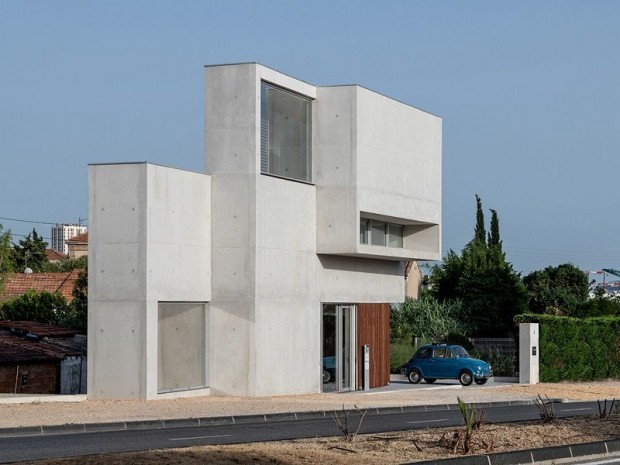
column 286, row 133
column 381, row 233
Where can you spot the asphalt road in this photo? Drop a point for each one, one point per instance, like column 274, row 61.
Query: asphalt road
column 32, row 447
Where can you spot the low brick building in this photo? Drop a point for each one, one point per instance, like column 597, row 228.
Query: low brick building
column 41, row 359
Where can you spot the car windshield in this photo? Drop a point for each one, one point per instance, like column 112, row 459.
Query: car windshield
column 460, row 352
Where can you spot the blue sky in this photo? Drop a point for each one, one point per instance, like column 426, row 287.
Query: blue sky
column 529, row 93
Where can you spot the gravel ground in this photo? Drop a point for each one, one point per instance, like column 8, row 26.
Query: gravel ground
column 91, row 411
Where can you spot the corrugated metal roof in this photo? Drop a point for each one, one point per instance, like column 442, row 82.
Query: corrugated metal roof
column 37, row 329
column 19, row 350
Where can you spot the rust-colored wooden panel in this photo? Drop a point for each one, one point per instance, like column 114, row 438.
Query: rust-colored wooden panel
column 373, row 328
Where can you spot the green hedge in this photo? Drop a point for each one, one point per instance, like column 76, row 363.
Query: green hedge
column 577, row 349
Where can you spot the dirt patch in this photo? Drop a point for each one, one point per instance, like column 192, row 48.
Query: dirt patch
column 375, row 449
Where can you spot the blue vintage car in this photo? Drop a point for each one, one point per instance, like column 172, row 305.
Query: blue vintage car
column 443, row 361
column 329, row 369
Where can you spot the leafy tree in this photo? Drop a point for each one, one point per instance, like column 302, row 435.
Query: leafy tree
column 444, row 279
column 560, row 290
column 30, row 252
column 490, row 290
column 601, row 304
column 428, row 319
column 5, row 251
column 5, row 255
column 76, row 316
column 43, row 307
column 69, row 264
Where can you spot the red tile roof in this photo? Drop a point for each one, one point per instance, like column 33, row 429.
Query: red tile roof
column 16, row 284
column 80, row 238
column 54, row 256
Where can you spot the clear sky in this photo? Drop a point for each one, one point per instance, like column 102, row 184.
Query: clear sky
column 529, row 93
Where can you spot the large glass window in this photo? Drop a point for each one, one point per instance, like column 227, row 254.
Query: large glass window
column 285, row 133
column 381, row 233
column 181, row 346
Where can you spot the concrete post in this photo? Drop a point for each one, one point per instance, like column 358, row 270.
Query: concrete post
column 529, row 352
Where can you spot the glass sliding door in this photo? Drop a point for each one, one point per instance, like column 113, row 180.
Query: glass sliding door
column 338, row 362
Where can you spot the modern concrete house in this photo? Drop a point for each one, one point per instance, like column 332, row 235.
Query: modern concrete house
column 269, row 273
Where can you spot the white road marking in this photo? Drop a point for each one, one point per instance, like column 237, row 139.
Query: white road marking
column 600, row 462
column 427, row 421
column 202, row 437
column 576, row 409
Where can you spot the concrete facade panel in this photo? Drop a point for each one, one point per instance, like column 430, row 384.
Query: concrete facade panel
column 231, row 120
column 285, row 215
column 117, row 274
column 119, row 200
column 337, row 222
column 116, row 350
column 232, row 347
column 351, row 280
column 234, row 213
column 399, row 153
column 288, row 347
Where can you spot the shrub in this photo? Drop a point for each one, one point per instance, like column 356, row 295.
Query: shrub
column 573, row 349
column 400, row 353
column 503, row 364
column 43, row 307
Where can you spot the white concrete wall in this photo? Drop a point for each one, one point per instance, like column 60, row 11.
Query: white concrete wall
column 232, row 140
column 287, row 326
column 255, row 246
column 378, row 158
column 263, row 244
column 268, row 281
column 360, row 280
column 140, row 253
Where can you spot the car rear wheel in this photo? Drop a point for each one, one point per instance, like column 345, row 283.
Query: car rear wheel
column 430, row 380
column 326, row 376
column 414, row 377
column 465, row 378
column 481, row 381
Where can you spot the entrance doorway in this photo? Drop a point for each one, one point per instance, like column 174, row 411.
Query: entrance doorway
column 338, row 361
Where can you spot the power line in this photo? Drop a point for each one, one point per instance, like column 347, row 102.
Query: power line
column 25, row 221
column 24, row 236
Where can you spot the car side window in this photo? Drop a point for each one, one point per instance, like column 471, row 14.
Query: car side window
column 440, row 353
column 425, row 353
column 449, row 353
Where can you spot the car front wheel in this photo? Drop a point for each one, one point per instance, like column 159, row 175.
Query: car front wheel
column 481, row 381
column 414, row 376
column 466, row 378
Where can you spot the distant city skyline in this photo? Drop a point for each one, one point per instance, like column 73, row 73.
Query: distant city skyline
column 527, row 91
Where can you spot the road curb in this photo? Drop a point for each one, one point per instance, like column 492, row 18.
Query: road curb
column 559, row 454
column 232, row 419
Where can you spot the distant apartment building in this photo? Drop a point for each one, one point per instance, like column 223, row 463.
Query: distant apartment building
column 62, row 232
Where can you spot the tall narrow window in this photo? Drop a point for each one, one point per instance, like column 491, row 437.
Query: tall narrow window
column 285, row 133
